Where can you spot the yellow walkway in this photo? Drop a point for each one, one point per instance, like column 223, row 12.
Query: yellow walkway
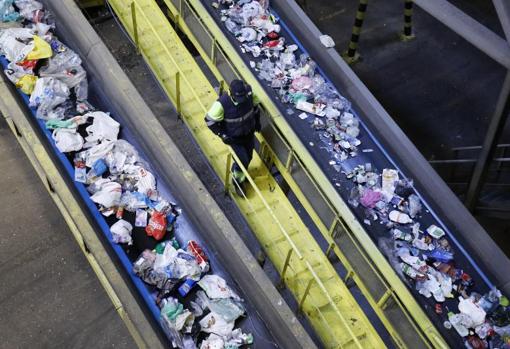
column 321, row 294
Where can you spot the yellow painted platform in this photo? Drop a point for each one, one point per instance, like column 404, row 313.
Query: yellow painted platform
column 323, row 296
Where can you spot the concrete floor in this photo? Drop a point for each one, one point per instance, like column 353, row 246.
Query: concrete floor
column 49, row 295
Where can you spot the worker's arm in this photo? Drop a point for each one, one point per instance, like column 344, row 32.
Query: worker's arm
column 214, row 118
column 215, row 113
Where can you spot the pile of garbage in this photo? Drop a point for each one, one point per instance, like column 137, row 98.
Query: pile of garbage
column 293, row 75
column 422, row 256
column 425, row 259
column 118, row 180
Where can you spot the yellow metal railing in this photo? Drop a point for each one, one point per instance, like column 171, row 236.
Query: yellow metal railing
column 305, row 290
column 290, row 253
column 190, row 14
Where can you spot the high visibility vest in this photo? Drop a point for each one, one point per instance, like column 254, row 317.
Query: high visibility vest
column 239, row 119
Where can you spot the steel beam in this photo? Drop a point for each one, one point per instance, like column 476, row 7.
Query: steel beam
column 474, row 32
column 503, row 11
column 496, row 126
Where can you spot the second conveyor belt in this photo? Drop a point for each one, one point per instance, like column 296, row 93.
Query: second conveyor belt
column 379, row 158
column 410, row 316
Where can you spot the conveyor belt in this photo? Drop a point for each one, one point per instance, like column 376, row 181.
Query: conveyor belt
column 187, row 223
column 379, row 158
column 128, row 254
column 322, row 295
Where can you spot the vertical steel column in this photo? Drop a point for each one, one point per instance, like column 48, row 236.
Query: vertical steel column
column 492, row 136
column 407, row 34
column 351, row 56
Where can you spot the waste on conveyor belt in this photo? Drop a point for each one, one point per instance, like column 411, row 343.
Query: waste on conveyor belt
column 118, row 181
column 422, row 256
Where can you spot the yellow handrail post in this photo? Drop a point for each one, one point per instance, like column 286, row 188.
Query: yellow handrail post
column 307, row 291
column 228, row 173
column 384, row 299
column 178, row 92
column 135, row 27
column 330, row 248
column 222, row 87
column 281, row 284
column 290, row 159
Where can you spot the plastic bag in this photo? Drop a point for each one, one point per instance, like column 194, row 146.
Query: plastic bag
column 132, row 201
column 213, row 342
column 14, row 43
column 98, row 151
column 216, row 287
column 157, row 226
column 27, row 83
column 414, row 205
column 66, row 66
column 228, row 309
column 121, row 232
column 103, row 128
column 14, row 72
column 214, row 323
column 108, row 194
column 123, row 154
column 67, row 140
column 48, row 93
column 29, row 8
column 247, row 34
column 146, row 182
column 237, row 338
column 7, row 11
column 41, row 49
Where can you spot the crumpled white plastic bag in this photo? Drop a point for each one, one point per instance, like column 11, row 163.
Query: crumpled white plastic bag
column 146, row 182
column 103, row 127
column 216, row 287
column 96, row 152
column 28, row 7
column 213, row 342
column 108, row 195
column 67, row 139
column 122, row 155
column 66, row 66
column 48, row 93
column 121, row 232
column 14, row 43
column 473, row 310
column 14, row 72
column 214, row 323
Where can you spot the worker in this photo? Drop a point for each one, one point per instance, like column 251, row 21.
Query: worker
column 235, row 118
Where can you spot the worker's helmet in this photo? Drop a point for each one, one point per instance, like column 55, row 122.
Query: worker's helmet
column 238, row 91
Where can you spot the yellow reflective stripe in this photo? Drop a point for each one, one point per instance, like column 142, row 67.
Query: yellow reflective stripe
column 216, row 112
column 256, row 100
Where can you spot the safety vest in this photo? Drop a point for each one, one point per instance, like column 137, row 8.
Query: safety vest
column 239, row 120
